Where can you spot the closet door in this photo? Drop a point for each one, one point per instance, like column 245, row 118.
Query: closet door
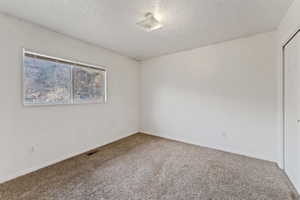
column 292, row 110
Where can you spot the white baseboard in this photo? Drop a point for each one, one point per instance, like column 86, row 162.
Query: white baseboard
column 35, row 168
column 166, row 136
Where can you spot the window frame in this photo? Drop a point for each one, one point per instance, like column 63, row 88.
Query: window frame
column 72, row 62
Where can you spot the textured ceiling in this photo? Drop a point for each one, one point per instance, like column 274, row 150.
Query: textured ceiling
column 188, row 23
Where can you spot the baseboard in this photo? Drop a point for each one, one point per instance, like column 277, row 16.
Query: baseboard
column 202, row 145
column 291, row 185
column 49, row 163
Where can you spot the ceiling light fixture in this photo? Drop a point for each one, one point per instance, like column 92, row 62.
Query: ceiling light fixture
column 150, row 23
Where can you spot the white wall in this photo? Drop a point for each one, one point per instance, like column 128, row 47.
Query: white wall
column 33, row 137
column 222, row 96
column 288, row 26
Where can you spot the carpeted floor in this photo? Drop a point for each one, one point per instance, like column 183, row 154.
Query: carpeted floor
column 143, row 167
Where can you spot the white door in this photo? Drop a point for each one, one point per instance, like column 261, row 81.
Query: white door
column 292, row 110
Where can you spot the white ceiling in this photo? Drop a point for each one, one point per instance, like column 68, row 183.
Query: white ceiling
column 188, row 23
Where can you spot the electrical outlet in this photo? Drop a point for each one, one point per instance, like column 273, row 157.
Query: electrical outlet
column 224, row 134
column 32, row 149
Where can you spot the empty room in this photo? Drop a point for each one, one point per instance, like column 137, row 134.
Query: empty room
column 150, row 100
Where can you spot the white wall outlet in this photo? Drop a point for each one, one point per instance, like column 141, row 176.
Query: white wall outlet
column 32, row 149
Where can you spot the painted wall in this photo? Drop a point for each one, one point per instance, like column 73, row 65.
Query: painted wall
column 222, row 96
column 34, row 137
column 288, row 26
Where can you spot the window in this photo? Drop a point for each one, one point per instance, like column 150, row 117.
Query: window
column 50, row 81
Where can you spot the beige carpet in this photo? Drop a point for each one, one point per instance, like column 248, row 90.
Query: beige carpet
column 143, row 167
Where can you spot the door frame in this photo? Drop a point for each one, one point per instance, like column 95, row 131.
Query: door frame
column 284, row 134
